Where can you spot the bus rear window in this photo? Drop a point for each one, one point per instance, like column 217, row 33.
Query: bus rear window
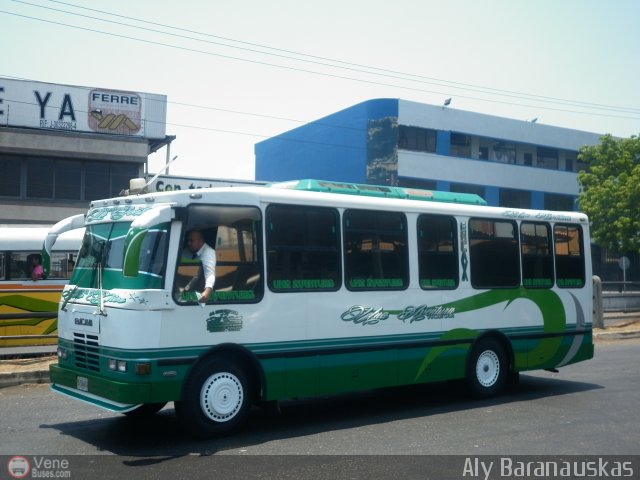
column 569, row 256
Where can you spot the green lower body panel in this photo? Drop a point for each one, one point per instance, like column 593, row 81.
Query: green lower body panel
column 109, row 393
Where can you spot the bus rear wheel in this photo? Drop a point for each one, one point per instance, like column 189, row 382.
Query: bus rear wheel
column 216, row 399
column 487, row 368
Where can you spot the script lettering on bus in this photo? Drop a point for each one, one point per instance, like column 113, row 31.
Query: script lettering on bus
column 116, row 213
column 364, row 315
column 552, row 217
column 515, row 214
column 424, row 312
column 92, row 296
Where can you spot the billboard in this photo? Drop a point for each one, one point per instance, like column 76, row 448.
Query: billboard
column 47, row 106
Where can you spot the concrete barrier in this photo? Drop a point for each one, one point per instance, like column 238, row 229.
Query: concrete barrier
column 621, row 302
column 598, row 312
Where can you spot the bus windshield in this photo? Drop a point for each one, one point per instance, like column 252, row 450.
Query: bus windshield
column 102, row 251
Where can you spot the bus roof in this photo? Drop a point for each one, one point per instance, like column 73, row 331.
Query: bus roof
column 31, row 238
column 380, row 191
column 312, row 192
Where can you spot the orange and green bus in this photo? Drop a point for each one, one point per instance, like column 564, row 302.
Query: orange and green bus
column 28, row 306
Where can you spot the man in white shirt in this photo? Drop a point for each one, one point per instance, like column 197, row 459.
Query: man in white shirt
column 207, row 256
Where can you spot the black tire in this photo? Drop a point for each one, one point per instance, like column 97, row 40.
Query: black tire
column 487, row 368
column 215, row 400
column 145, row 410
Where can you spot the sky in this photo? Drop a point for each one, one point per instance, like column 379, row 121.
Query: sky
column 236, row 72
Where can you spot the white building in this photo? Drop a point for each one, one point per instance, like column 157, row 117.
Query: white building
column 390, row 141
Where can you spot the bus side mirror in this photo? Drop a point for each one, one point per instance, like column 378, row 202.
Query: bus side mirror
column 137, row 233
column 69, row 223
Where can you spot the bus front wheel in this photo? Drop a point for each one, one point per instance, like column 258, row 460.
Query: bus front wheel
column 216, row 399
column 487, row 368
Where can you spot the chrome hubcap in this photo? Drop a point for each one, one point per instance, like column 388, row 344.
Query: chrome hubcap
column 221, row 397
column 488, row 368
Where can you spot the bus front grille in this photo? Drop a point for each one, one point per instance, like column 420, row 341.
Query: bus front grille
column 86, row 351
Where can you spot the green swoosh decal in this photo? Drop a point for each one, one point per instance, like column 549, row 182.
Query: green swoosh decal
column 551, row 308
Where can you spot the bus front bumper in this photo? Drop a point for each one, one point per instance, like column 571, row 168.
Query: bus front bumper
column 103, row 392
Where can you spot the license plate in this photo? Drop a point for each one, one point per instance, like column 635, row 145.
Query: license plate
column 83, row 384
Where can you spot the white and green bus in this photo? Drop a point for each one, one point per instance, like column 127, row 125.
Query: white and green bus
column 321, row 287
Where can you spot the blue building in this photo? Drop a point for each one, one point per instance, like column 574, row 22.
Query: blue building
column 508, row 162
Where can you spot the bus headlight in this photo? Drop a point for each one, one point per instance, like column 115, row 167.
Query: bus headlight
column 117, row 365
column 63, row 354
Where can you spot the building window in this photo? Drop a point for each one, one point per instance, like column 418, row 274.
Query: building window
column 63, row 179
column 68, row 177
column 483, row 153
column 10, row 168
column 417, row 139
column 437, row 252
column 515, row 198
column 568, row 164
column 375, row 250
column 468, row 188
column 460, row 145
column 528, row 159
column 547, row 157
column 96, row 181
column 494, row 256
column 417, row 183
column 120, row 176
column 558, row 202
column 39, row 178
column 505, row 152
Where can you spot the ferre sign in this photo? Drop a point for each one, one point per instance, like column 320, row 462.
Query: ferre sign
column 115, row 112
column 48, row 106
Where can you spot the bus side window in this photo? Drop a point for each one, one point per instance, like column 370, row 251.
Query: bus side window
column 375, row 250
column 20, row 266
column 437, row 252
column 537, row 257
column 235, row 234
column 494, row 257
column 303, row 245
column 569, row 256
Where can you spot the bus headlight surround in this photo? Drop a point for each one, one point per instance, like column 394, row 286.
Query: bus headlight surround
column 117, row 365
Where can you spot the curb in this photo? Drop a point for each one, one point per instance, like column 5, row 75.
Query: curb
column 20, row 378
column 616, row 335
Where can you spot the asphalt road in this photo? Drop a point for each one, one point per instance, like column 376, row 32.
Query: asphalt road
column 586, row 409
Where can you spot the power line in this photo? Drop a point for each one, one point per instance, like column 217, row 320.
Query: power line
column 343, row 77
column 433, row 80
column 403, row 76
column 282, row 137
